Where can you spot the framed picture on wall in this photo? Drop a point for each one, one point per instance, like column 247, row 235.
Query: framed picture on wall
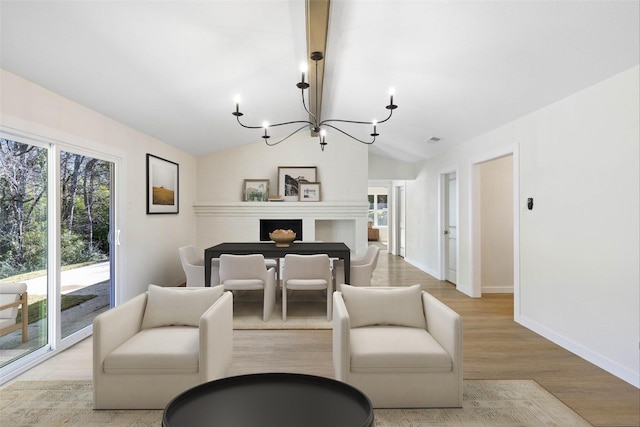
column 290, row 177
column 163, row 186
column 309, row 191
column 255, row 190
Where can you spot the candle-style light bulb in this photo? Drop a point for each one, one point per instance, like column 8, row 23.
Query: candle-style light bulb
column 265, row 125
column 237, row 101
column 391, row 93
column 374, row 126
column 303, row 69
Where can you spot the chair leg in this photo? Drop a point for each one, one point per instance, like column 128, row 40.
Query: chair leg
column 284, row 302
column 25, row 318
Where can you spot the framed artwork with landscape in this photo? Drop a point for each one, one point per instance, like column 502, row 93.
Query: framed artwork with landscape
column 163, row 189
column 255, row 190
column 290, row 177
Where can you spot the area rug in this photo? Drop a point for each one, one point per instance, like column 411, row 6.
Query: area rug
column 305, row 310
column 486, row 403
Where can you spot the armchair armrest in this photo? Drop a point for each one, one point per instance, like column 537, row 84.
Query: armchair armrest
column 341, row 329
column 445, row 325
column 216, row 338
column 115, row 326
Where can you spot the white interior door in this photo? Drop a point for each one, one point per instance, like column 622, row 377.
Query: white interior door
column 401, row 234
column 451, row 228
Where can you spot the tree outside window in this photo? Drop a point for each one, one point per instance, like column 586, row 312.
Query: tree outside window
column 378, row 210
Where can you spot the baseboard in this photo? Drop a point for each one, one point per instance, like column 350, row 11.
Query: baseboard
column 497, row 290
column 424, row 268
column 608, row 365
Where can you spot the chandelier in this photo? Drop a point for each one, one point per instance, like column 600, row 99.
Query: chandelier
column 314, row 124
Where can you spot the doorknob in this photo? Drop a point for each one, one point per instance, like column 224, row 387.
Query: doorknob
column 446, row 232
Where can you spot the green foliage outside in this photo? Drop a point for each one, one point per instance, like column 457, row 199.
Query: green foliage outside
column 84, row 208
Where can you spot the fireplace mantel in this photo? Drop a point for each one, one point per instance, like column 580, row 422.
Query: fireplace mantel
column 219, row 222
column 326, row 210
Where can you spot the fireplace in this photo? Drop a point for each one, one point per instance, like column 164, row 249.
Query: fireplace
column 268, row 225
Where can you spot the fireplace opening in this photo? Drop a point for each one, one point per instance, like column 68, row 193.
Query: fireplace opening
column 268, row 225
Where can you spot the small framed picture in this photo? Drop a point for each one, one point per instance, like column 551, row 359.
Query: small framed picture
column 163, row 186
column 255, row 190
column 309, row 191
column 290, row 177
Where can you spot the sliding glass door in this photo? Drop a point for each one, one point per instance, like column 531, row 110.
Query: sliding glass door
column 56, row 222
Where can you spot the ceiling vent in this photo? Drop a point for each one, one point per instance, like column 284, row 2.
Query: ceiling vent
column 433, row 140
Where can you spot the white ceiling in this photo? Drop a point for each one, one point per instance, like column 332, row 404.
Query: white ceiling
column 459, row 68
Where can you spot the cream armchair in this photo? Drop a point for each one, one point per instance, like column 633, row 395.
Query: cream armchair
column 159, row 344
column 400, row 346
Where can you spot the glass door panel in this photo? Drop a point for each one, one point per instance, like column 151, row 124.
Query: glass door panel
column 23, row 247
column 85, row 252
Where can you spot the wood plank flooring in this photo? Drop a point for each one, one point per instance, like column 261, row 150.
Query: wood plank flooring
column 495, row 347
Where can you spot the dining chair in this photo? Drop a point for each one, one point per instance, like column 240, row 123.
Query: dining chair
column 306, row 272
column 193, row 266
column 361, row 269
column 246, row 273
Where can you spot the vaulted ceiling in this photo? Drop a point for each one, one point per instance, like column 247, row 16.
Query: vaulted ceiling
column 171, row 69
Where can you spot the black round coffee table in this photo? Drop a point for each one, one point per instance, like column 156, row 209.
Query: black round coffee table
column 270, row 400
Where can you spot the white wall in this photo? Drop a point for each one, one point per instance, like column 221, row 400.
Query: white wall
column 385, row 168
column 341, row 170
column 579, row 247
column 496, row 219
column 149, row 243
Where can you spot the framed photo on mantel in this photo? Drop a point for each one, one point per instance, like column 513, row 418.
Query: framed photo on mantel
column 290, row 177
column 309, row 191
column 255, row 190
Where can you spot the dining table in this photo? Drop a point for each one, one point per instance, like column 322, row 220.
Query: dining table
column 269, row 250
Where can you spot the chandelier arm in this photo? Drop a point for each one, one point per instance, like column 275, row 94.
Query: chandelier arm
column 270, row 144
column 274, row 125
column 357, row 122
column 350, row 136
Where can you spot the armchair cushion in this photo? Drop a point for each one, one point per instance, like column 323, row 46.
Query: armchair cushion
column 170, row 350
column 396, row 349
column 401, row 306
column 178, row 307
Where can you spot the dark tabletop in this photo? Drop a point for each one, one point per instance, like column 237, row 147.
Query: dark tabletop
column 270, row 400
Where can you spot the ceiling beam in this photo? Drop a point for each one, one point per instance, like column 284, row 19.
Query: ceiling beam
column 317, row 15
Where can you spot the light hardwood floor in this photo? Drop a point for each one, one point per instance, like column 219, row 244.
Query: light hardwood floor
column 495, row 347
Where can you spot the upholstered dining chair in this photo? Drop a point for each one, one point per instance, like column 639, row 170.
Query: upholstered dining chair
column 248, row 272
column 361, row 269
column 193, row 266
column 306, row 272
column 12, row 296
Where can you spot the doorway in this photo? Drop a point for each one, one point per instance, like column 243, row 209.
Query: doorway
column 400, row 221
column 496, row 225
column 509, row 184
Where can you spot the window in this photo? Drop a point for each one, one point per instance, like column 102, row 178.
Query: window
column 378, row 208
